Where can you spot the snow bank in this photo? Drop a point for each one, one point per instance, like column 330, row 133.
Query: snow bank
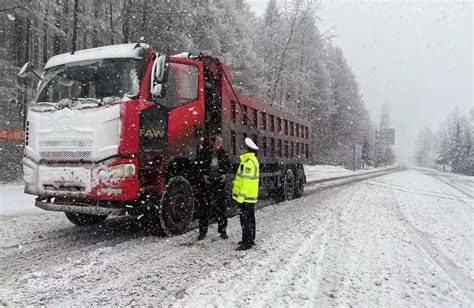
column 319, row 172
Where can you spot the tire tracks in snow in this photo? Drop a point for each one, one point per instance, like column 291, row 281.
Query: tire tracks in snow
column 448, row 182
column 427, row 193
column 349, row 272
column 377, row 222
column 300, row 280
column 456, row 274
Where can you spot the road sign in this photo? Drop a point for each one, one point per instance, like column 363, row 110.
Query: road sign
column 385, row 136
column 358, row 157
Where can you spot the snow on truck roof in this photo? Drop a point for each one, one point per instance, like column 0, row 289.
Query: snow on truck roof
column 105, row 52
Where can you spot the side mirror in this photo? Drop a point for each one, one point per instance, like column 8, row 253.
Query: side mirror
column 162, row 69
column 159, row 77
column 158, row 91
column 25, row 70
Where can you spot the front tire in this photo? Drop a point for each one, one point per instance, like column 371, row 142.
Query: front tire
column 176, row 206
column 84, row 219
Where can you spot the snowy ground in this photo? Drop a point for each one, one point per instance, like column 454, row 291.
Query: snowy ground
column 401, row 239
column 14, row 202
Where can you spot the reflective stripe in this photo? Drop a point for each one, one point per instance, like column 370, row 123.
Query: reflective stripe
column 249, row 159
column 247, row 176
column 245, row 197
column 250, row 177
column 254, row 166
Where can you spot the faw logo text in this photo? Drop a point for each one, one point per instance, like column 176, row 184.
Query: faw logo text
column 152, row 133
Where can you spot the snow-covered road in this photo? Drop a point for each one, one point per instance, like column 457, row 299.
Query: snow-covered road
column 14, row 202
column 401, row 239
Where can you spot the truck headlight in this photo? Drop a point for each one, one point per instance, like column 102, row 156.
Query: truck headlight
column 118, row 172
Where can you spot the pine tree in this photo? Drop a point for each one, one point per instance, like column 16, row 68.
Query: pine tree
column 425, row 148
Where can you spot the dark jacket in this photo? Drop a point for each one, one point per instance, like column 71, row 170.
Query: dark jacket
column 204, row 159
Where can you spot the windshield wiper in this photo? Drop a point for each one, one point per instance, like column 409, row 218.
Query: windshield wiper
column 77, row 103
column 43, row 106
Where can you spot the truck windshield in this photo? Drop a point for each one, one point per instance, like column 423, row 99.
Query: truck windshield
column 105, row 80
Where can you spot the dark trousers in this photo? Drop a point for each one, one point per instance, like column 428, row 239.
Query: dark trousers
column 247, row 221
column 213, row 204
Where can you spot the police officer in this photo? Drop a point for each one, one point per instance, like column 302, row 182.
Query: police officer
column 214, row 166
column 245, row 192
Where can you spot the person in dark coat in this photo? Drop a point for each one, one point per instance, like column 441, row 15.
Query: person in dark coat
column 214, row 167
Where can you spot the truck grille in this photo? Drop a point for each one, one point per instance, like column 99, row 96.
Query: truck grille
column 66, row 155
column 66, row 149
column 76, row 143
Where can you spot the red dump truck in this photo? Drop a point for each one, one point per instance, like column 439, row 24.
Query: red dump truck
column 115, row 130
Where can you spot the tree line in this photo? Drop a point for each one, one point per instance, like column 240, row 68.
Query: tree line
column 281, row 58
column 451, row 147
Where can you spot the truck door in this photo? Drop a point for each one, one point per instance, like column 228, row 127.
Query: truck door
column 185, row 97
column 173, row 125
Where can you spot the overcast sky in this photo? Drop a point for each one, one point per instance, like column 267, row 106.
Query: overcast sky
column 418, row 55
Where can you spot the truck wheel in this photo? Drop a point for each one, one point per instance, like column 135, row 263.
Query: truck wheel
column 176, row 206
column 84, row 219
column 299, row 184
column 287, row 189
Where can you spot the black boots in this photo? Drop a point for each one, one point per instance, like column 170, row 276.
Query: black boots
column 244, row 247
column 240, row 243
column 223, row 236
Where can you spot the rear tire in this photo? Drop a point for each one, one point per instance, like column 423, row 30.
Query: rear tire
column 287, row 189
column 176, row 206
column 299, row 183
column 84, row 219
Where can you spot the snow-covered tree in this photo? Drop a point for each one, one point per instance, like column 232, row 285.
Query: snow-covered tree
column 425, row 148
column 455, row 145
column 384, row 154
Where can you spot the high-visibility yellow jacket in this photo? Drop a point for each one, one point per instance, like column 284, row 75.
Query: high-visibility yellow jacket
column 246, row 180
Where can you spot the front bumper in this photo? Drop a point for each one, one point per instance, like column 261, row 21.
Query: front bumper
column 80, row 208
column 81, row 181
